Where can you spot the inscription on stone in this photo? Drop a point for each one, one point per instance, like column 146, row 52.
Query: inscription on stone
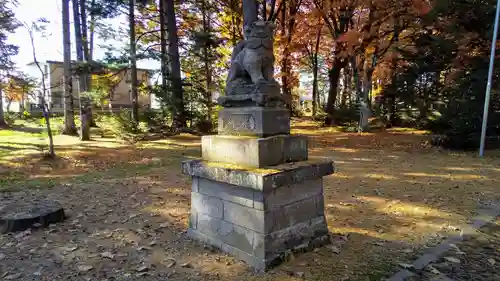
column 240, row 122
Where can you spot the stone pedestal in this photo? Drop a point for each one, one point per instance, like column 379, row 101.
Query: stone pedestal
column 256, row 194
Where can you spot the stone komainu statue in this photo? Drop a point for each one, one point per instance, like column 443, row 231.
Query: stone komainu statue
column 250, row 79
column 254, row 56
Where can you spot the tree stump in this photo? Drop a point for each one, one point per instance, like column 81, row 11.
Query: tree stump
column 20, row 216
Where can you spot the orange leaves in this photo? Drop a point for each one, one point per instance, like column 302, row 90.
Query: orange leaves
column 351, row 37
column 422, row 7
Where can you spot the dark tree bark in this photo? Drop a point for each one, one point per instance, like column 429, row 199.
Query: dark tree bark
column 85, row 39
column 163, row 47
column 288, row 26
column 92, row 30
column 208, row 69
column 179, row 115
column 69, row 113
column 2, row 117
column 133, row 64
column 333, row 81
column 315, row 73
column 84, row 127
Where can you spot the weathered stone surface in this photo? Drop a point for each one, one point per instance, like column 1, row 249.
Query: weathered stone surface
column 266, row 250
column 296, row 237
column 263, row 179
column 246, row 94
column 251, row 260
column 254, row 152
column 21, row 216
column 288, row 194
column 227, row 192
column 297, row 212
column 254, row 121
column 258, row 227
column 228, row 233
column 250, row 79
column 194, row 184
column 250, row 218
column 206, row 204
column 255, row 210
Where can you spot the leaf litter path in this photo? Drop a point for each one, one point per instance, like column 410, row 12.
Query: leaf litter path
column 128, row 207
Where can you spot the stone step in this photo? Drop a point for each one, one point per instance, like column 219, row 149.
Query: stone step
column 254, row 151
column 263, row 179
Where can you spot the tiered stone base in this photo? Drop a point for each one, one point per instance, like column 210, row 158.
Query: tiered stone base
column 258, row 215
column 256, row 194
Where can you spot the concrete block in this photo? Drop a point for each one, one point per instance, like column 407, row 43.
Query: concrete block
column 236, row 236
column 296, row 237
column 193, row 220
column 250, row 259
column 320, row 205
column 194, row 185
column 226, row 232
column 294, row 213
column 295, row 148
column 254, row 121
column 253, row 151
column 226, row 192
column 247, row 217
column 206, row 205
column 258, row 200
column 197, row 236
column 289, row 194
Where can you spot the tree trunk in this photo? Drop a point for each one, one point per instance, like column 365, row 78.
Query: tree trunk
column 69, row 113
column 365, row 105
column 347, row 88
column 315, row 91
column 82, row 79
column 179, row 116
column 85, row 40
column 315, row 75
column 46, row 115
column 2, row 117
column 284, row 61
column 364, row 110
column 163, row 47
column 133, row 65
column 208, row 69
column 250, row 11
column 92, row 32
column 21, row 105
column 87, row 57
column 333, row 80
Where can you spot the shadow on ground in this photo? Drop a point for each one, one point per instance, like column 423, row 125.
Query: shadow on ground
column 129, row 205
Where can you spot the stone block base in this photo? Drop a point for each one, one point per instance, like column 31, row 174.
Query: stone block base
column 262, row 223
column 260, row 264
column 254, row 121
column 253, row 151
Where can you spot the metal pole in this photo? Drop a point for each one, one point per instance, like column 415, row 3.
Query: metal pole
column 488, row 86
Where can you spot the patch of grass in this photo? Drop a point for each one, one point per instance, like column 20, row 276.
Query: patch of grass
column 19, row 134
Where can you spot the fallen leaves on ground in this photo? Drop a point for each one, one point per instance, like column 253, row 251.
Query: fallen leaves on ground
column 128, row 208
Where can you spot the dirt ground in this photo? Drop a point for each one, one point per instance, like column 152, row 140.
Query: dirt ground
column 391, row 196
